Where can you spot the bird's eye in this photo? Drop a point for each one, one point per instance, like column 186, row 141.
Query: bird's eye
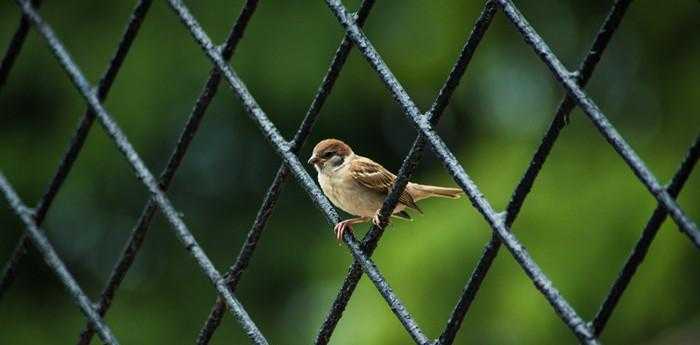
column 328, row 154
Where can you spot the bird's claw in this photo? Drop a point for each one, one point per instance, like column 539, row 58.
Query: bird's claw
column 375, row 219
column 340, row 229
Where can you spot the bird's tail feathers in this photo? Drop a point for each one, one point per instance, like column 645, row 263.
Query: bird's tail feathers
column 403, row 215
column 425, row 191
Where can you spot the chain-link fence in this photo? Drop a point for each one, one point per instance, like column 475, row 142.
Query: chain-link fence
column 424, row 122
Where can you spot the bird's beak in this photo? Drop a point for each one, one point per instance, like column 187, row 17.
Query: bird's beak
column 313, row 160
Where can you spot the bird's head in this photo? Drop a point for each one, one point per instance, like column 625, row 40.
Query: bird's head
column 329, row 153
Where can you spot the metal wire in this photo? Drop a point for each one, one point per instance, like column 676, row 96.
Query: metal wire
column 52, row 260
column 424, row 123
column 536, row 163
column 15, row 46
column 642, row 247
column 141, row 171
column 291, row 160
column 561, row 306
column 246, row 253
column 138, row 233
column 569, row 82
column 76, row 142
column 371, row 239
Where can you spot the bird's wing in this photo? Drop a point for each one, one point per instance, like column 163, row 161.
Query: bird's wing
column 375, row 177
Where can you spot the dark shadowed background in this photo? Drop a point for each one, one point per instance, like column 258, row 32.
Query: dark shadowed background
column 584, row 215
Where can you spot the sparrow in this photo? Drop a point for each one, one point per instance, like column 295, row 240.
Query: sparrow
column 359, row 185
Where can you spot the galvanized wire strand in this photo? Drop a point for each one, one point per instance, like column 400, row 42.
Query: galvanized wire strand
column 233, row 276
column 291, row 160
column 141, row 171
column 569, row 82
column 496, row 221
column 76, row 142
column 15, row 46
column 49, row 254
column 411, row 161
column 641, row 248
column 585, row 70
column 133, row 244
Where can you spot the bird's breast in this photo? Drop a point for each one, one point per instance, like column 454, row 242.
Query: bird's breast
column 350, row 196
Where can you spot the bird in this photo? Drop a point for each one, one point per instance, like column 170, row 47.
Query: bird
column 359, row 185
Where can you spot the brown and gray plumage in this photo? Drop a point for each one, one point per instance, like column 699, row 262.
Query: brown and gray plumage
column 359, row 185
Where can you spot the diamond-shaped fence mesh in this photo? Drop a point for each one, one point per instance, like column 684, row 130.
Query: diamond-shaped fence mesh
column 424, row 122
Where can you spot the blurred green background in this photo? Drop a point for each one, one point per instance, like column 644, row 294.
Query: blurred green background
column 584, row 215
